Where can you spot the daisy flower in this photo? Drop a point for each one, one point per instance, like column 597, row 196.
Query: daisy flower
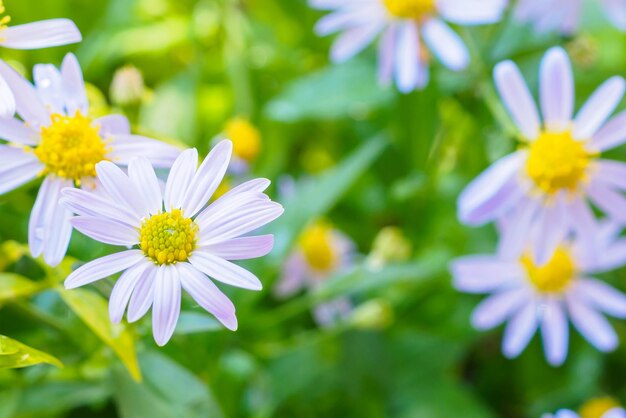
column 557, row 172
column 56, row 139
column 532, row 297
column 564, row 15
column 321, row 252
column 595, row 408
column 177, row 241
column 407, row 29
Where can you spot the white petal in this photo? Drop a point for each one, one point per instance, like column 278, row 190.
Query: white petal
column 555, row 333
column 106, row 231
column 472, row 12
column 611, row 135
column 515, row 237
column 608, row 200
column 42, row 34
column 103, row 267
column 57, row 229
column 293, row 276
column 144, row 178
column 203, row 291
column 599, row 107
column 553, row 225
column 242, row 248
column 120, row 188
column 446, row 44
column 7, row 100
column 493, row 192
column 27, row 101
column 407, row 57
column 497, row 308
column 591, row 325
column 601, row 297
column 47, row 79
column 615, row 11
column 615, row 413
column 166, row 304
column 386, row 54
column 73, row 86
column 123, row 290
column 180, row 178
column 520, row 331
column 111, row 125
column 85, row 203
column 14, row 130
column 17, row 167
column 141, row 299
column 127, row 147
column 483, row 274
column 353, row 41
column 207, row 178
column 556, row 89
column 517, row 98
column 224, row 271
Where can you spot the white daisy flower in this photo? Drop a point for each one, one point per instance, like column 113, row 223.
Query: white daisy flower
column 550, row 180
column 564, row 15
column 408, row 28
column 322, row 251
column 531, row 297
column 178, row 242
column 55, row 138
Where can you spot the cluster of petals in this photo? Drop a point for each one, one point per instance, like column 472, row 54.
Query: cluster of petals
column 403, row 56
column 116, row 215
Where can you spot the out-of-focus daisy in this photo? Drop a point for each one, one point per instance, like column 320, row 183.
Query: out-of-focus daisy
column 408, row 28
column 564, row 15
column 247, row 143
column 321, row 252
column 550, row 180
column 56, row 139
column 595, row 408
column 178, row 242
column 532, row 297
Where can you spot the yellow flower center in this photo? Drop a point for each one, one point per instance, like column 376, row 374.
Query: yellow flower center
column 71, row 147
column 168, row 237
column 245, row 137
column 410, row 9
column 316, row 242
column 557, row 161
column 596, row 408
column 553, row 277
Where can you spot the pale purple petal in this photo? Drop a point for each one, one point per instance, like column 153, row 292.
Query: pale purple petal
column 179, row 179
column 615, row 413
column 27, row 101
column 386, row 55
column 111, row 125
column 141, row 299
column 563, row 413
column 166, row 304
column 601, row 296
column 611, row 135
column 472, row 12
column 552, row 225
column 57, row 229
column 484, row 274
column 556, row 90
column 242, row 248
column 14, row 130
column 106, row 231
column 127, row 147
column 73, row 86
column 497, row 308
column 519, row 331
column 224, row 271
column 446, row 44
column 609, row 200
column 493, row 192
column 598, row 108
column 123, row 289
column 7, row 100
column 585, row 225
column 207, row 295
column 42, row 34
column 615, row 11
column 47, row 79
column 611, row 173
column 555, row 332
column 207, row 178
column 407, row 57
column 591, row 325
column 119, row 187
column 354, row 40
column 85, row 203
column 517, row 98
column 144, row 178
column 293, row 276
column 17, row 167
column 514, row 238
column 103, row 267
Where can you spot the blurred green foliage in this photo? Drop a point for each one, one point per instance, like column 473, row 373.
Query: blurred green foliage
column 365, row 158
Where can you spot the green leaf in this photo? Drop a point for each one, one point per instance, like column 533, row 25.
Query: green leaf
column 168, row 391
column 335, row 92
column 13, row 286
column 316, row 197
column 14, row 354
column 92, row 309
column 51, row 398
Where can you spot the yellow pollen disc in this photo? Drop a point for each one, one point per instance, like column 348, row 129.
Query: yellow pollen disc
column 168, row 238
column 557, row 161
column 553, row 277
column 316, row 243
column 245, row 137
column 596, row 408
column 410, row 9
column 71, row 147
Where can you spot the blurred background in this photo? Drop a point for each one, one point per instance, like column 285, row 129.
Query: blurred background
column 377, row 330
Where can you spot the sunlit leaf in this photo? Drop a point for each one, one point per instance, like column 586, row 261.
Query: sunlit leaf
column 14, row 354
column 92, row 309
column 13, row 286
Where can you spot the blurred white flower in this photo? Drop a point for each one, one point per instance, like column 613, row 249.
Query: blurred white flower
column 180, row 239
column 595, row 408
column 550, row 180
column 408, row 27
column 564, row 15
column 321, row 252
column 57, row 139
column 532, row 297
